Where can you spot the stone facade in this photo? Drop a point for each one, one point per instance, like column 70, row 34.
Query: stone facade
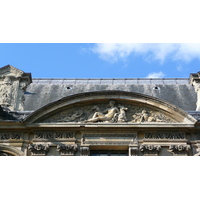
column 97, row 122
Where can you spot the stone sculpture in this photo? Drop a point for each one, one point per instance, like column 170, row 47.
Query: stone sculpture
column 107, row 115
column 122, row 114
column 116, row 113
column 72, row 117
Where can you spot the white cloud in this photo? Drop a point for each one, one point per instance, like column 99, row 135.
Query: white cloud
column 156, row 75
column 155, row 51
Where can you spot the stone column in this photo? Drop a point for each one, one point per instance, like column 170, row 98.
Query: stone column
column 133, row 150
column 84, row 151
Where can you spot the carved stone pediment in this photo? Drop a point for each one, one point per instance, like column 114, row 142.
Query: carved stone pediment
column 110, row 107
column 111, row 112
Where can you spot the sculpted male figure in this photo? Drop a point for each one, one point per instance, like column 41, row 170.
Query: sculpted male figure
column 107, row 115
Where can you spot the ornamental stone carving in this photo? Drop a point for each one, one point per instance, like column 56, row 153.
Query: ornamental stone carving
column 38, row 149
column 13, row 83
column 164, row 135
column 107, row 115
column 110, row 113
column 179, row 150
column 67, row 150
column 152, row 150
column 8, row 136
column 48, row 135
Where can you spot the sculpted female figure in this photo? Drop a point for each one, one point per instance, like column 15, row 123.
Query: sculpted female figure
column 107, row 115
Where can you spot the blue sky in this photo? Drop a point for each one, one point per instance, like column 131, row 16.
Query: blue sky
column 103, row 60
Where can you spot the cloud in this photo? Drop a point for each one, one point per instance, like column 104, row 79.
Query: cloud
column 156, row 75
column 154, row 51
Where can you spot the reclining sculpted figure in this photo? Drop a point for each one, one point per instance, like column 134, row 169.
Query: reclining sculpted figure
column 107, row 115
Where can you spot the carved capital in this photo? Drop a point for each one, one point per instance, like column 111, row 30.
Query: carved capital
column 38, row 149
column 150, row 149
column 67, row 150
column 84, row 151
column 178, row 150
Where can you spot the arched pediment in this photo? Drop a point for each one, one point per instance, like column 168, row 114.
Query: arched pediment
column 110, row 107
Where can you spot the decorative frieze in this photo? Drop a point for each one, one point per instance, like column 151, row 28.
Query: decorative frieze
column 84, row 151
column 113, row 112
column 54, row 135
column 8, row 136
column 38, row 149
column 150, row 149
column 67, row 150
column 164, row 135
column 181, row 149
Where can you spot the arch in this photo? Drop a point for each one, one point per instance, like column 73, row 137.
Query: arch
column 132, row 98
column 10, row 150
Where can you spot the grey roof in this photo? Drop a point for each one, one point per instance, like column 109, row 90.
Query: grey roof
column 176, row 91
